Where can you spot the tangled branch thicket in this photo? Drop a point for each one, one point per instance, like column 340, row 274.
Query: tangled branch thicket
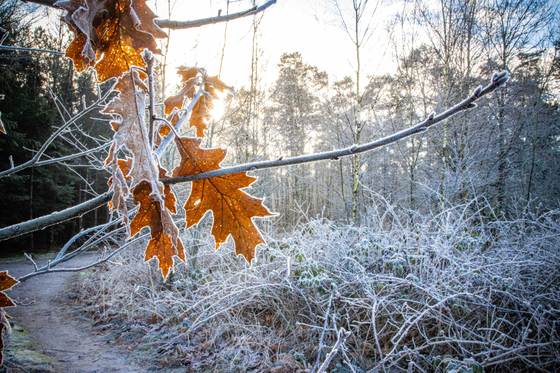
column 452, row 292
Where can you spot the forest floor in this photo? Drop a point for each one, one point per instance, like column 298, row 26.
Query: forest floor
column 50, row 334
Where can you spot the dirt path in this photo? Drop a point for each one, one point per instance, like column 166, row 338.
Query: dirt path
column 54, row 328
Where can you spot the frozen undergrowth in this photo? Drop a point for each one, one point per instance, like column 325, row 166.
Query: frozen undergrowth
column 450, row 293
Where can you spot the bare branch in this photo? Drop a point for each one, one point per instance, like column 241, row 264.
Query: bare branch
column 497, row 81
column 181, row 25
column 48, row 269
column 150, row 60
column 54, row 218
column 43, row 2
column 31, row 50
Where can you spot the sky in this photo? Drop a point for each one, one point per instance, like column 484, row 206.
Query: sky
column 309, row 27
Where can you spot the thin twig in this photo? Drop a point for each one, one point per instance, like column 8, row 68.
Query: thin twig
column 46, row 144
column 50, row 270
column 149, row 59
column 327, row 315
column 342, row 336
column 73, row 156
column 32, row 261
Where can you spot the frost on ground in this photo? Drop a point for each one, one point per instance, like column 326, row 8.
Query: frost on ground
column 455, row 292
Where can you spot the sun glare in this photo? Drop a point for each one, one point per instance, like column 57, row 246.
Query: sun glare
column 218, row 110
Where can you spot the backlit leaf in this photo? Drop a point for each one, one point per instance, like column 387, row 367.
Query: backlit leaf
column 201, row 111
column 233, row 209
column 110, row 34
column 201, row 114
column 187, row 90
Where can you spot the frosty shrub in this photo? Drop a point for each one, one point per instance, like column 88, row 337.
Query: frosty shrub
column 454, row 292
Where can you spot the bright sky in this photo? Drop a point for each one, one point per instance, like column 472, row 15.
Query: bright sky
column 306, row 26
column 310, row 27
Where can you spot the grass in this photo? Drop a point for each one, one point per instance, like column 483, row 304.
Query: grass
column 454, row 292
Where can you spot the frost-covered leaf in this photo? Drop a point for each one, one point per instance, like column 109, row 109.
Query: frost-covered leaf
column 110, row 34
column 154, row 213
column 187, row 91
column 131, row 130
column 233, row 209
column 141, row 174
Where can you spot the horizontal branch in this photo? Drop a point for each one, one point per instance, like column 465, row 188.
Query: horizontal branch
column 54, row 218
column 497, row 81
column 31, row 50
column 72, row 212
column 181, row 25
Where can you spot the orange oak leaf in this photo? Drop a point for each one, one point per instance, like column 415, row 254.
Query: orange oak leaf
column 162, row 131
column 6, row 282
column 191, row 78
column 153, row 213
column 213, row 82
column 130, row 132
column 233, row 209
column 187, row 90
column 201, row 111
column 201, row 114
column 110, row 34
column 169, row 196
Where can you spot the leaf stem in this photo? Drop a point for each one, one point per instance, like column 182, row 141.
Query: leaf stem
column 149, row 59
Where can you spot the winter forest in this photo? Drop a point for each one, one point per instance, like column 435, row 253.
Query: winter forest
column 407, row 217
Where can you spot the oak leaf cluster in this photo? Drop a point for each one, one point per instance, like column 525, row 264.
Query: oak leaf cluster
column 110, row 36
